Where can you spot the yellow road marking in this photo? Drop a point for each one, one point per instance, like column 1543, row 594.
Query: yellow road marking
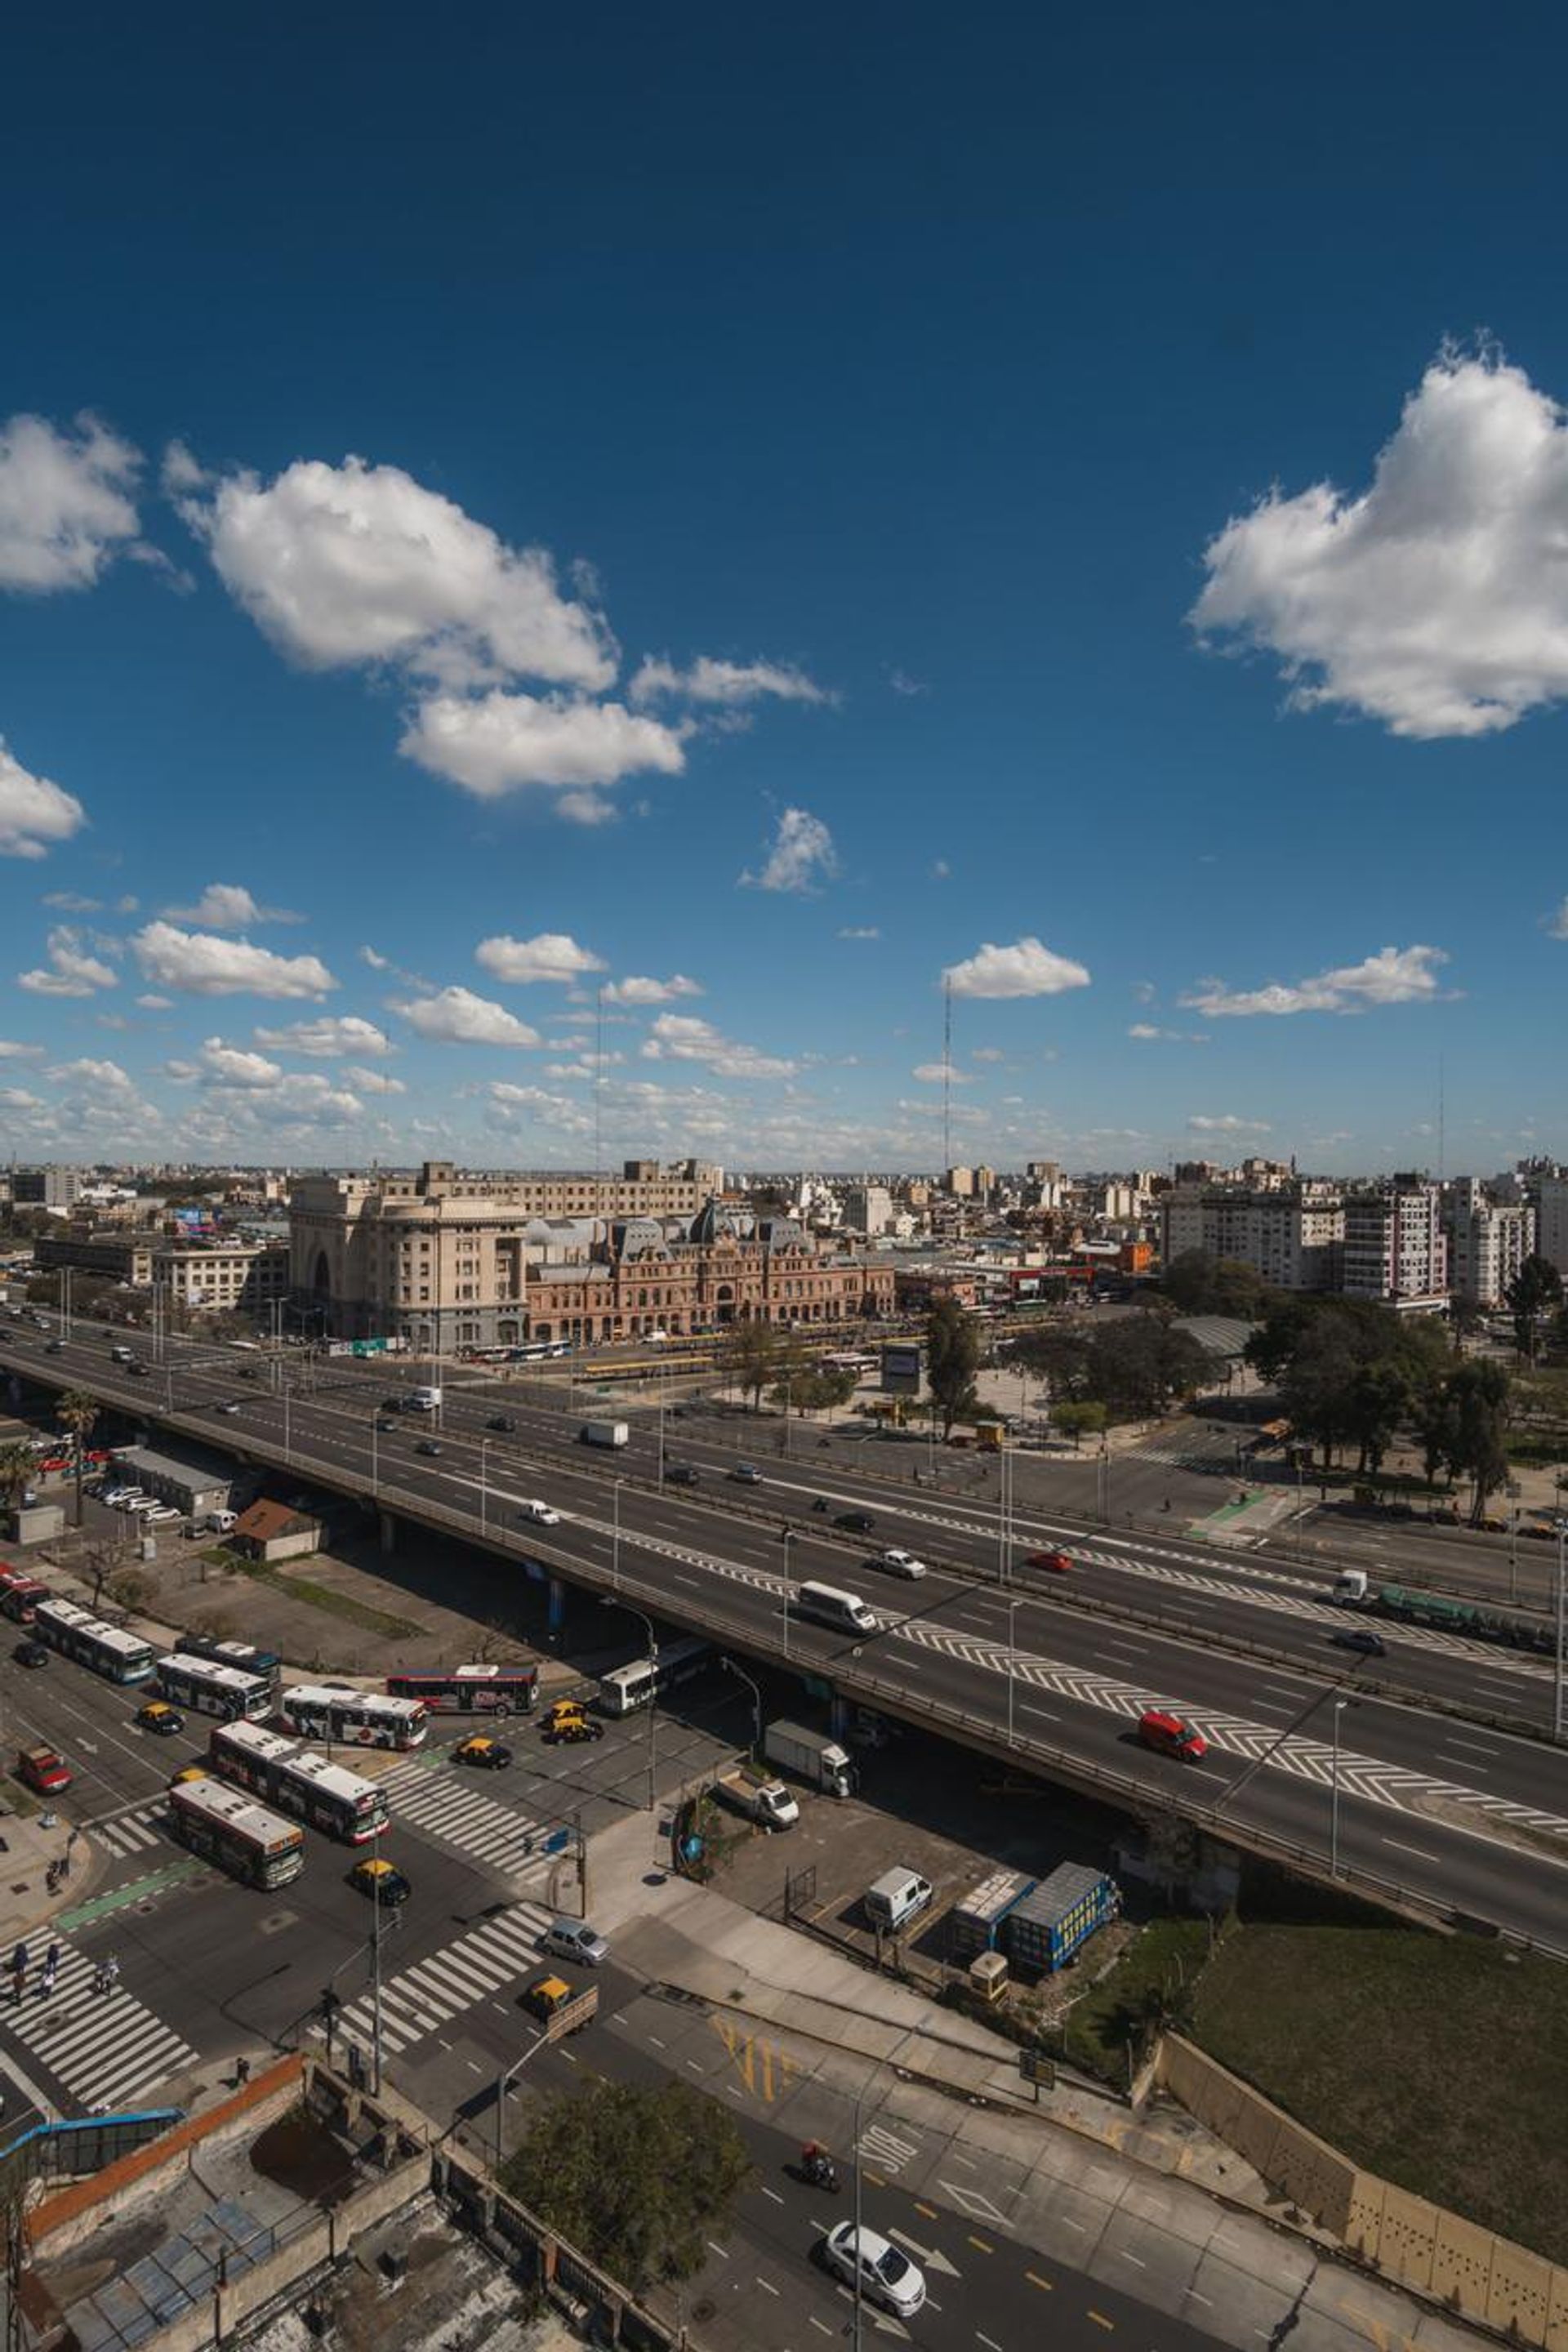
column 1099, row 2318
column 929, row 2210
column 1035, row 2280
column 981, row 2244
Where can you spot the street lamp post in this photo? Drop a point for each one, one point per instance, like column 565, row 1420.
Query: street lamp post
column 505, row 2084
column 788, row 1539
column 616, row 1536
column 1104, row 1482
column 742, row 1676
column 1013, row 1608
column 484, row 1486
column 647, row 1622
column 1340, row 1707
column 374, row 1456
column 1561, row 1621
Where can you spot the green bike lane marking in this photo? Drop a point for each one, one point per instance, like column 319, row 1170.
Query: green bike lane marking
column 138, row 1890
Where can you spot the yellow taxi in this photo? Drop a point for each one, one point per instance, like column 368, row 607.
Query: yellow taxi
column 187, row 1774
column 484, row 1754
column 385, row 1885
column 563, row 1710
column 158, row 1715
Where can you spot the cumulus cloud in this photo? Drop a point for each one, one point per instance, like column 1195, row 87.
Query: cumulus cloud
column 200, row 963
column 231, row 1065
column 1226, row 1123
column 373, row 1082
column 1436, row 599
column 72, row 902
column 495, row 743
column 681, row 1037
column 1145, row 1031
column 65, row 504
column 1393, row 976
column 19, row 1098
column 96, row 1078
column 12, row 1052
column 228, row 907
column 329, row 1034
column 71, row 972
column 34, row 812
column 1557, row 924
column 358, row 563
column 638, row 989
column 553, row 955
column 932, row 1074
column 730, row 685
column 153, row 1003
column 860, row 931
column 802, row 855
column 456, row 1016
column 549, row 1110
column 1025, row 969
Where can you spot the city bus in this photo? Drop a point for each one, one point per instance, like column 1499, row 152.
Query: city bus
column 538, row 1351
column 223, row 1825
column 351, row 1719
column 625, row 1688
column 20, row 1594
column 265, row 1664
column 323, row 1796
column 212, row 1689
column 471, row 1690
column 845, row 1360
column 107, row 1650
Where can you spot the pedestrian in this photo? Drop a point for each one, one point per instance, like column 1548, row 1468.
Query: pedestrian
column 241, row 2073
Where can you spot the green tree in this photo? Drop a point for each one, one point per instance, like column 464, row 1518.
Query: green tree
column 1079, row 1420
column 748, row 1357
column 16, row 1473
column 1478, row 1393
column 1056, row 1354
column 1377, row 1402
column 1196, row 1284
column 1535, row 1289
column 638, row 2177
column 131, row 1590
column 77, row 1410
column 952, row 1358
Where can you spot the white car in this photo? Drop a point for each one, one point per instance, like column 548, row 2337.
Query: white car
column 541, row 1514
column 127, row 1498
column 112, row 1494
column 887, row 2276
column 163, row 1515
column 900, row 1563
column 142, row 1506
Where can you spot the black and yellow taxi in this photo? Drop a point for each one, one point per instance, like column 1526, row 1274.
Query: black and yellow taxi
column 484, row 1754
column 158, row 1715
column 187, row 1774
column 569, row 1720
column 382, row 1881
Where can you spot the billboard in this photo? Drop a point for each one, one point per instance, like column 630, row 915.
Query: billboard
column 901, row 1368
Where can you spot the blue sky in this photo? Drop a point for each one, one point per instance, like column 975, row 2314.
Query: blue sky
column 752, row 518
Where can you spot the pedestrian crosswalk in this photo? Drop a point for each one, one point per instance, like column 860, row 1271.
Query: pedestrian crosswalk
column 132, row 1832
column 417, row 2000
column 446, row 1804
column 105, row 2048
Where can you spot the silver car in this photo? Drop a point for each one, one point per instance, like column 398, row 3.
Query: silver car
column 574, row 1939
column 887, row 2276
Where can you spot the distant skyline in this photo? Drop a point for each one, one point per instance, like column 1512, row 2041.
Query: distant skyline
column 693, row 544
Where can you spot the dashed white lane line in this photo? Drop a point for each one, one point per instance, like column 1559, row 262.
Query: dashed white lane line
column 1419, row 1852
column 773, row 2194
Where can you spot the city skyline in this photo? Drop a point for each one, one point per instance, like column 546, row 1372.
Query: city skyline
column 618, row 643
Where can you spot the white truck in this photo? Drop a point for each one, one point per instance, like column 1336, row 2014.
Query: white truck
column 766, row 1802
column 811, row 1756
column 605, row 1433
column 1350, row 1586
column 423, row 1400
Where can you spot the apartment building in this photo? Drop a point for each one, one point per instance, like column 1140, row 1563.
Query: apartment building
column 867, row 1208
column 46, row 1188
column 1292, row 1237
column 1395, row 1249
column 244, row 1277
column 117, row 1255
column 1551, row 1219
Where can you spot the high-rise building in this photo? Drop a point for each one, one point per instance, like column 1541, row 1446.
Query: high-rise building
column 1551, row 1219
column 1394, row 1246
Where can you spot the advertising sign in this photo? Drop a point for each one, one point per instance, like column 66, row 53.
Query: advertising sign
column 901, row 1368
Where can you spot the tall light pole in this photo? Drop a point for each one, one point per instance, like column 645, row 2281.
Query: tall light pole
column 788, row 1537
column 1561, row 1621
column 859, row 2299
column 1013, row 1608
column 374, row 1467
column 742, row 1676
column 1340, row 1707
column 484, row 1486
column 1104, row 1482
column 616, row 1536
column 646, row 1623
column 505, row 2084
column 1005, row 1521
column 660, row 1480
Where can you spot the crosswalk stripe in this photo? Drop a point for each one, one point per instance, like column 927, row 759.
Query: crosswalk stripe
column 421, row 1998
column 99, row 2047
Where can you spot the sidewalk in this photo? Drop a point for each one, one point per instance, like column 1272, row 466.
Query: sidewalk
column 27, row 1906
column 1080, row 2177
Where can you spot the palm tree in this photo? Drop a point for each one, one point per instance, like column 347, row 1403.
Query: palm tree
column 79, row 1411
column 17, row 1470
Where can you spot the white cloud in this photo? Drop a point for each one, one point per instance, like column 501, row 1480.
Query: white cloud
column 1025, row 969
column 1437, row 600
column 638, row 989
column 455, row 1016
column 550, row 956
column 34, row 812
column 156, row 1003
column 228, row 907
column 860, row 931
column 1146, row 1032
column 586, row 807
column 495, row 743
column 940, row 869
column 1226, row 1123
column 931, row 1074
column 802, row 855
column 1557, row 924
column 681, row 1037
column 65, row 509
column 11, row 1052
column 72, row 902
column 987, row 1054
column 729, row 684
column 549, row 1110
column 330, row 1033
column 376, row 962
column 97, row 1077
column 373, row 1082
column 902, row 683
column 1393, row 976
column 180, row 473
column 231, row 1065
column 71, row 971
column 361, row 563
column 202, row 964
column 19, row 1098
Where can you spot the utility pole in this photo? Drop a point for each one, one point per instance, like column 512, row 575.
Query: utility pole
column 1561, row 1622
column 375, row 1999
column 946, row 1164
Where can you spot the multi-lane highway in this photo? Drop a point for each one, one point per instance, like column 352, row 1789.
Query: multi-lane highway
column 1424, row 1770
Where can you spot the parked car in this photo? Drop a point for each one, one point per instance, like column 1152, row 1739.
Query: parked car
column 379, row 1880
column 1056, row 1562
column 887, row 2276
column 31, row 1654
column 503, row 1421
column 1171, row 1735
column 487, row 1754
column 855, row 1523
column 574, row 1939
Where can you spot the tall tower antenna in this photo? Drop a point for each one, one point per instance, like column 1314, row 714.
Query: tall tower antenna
column 598, row 1079
column 1442, row 1112
column 946, row 1075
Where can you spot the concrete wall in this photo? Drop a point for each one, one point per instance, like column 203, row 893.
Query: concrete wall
column 1474, row 2271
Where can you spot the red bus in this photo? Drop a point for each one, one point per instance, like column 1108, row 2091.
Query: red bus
column 471, row 1690
column 20, row 1594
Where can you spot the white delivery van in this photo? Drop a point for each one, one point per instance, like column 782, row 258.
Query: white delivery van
column 832, row 1607
column 894, row 1898
column 220, row 1522
column 423, row 1400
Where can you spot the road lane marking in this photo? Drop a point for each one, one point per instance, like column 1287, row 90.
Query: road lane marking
column 823, row 2328
column 722, row 2251
column 929, row 2211
column 1419, row 1852
column 1099, row 2318
column 765, row 2285
column 1046, row 2286
column 773, row 2193
column 989, row 2341
column 1133, row 2258
column 983, row 2244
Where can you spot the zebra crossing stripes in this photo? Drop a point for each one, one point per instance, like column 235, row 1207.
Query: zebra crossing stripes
column 417, row 2000
column 132, row 1832
column 448, row 1806
column 105, row 2049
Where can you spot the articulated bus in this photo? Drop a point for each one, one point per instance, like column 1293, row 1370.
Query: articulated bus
column 538, row 1351
column 625, row 1688
column 107, row 1650
column 471, row 1690
column 265, row 1664
column 323, row 1796
column 351, row 1719
column 212, row 1689
column 845, row 1359
column 224, row 1826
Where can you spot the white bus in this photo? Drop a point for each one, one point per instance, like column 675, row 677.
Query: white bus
column 625, row 1688
column 351, row 1719
column 323, row 1796
column 224, row 1826
column 109, row 1650
column 211, row 1689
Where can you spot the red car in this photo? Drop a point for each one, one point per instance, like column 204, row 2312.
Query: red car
column 42, row 1769
column 1056, row 1561
column 1169, row 1735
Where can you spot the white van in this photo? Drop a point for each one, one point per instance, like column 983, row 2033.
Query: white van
column 894, row 1898
column 423, row 1400
column 845, row 1610
column 220, row 1522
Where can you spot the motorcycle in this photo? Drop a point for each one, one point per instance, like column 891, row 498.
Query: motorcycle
column 820, row 1504
column 818, row 2170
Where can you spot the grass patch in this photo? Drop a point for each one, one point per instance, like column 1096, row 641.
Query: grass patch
column 1107, row 2031
column 341, row 1605
column 1436, row 2061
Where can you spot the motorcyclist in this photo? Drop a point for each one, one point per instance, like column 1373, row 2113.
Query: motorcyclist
column 818, row 2166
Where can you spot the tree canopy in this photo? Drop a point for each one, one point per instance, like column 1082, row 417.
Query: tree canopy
column 1197, row 1284
column 1535, row 1289
column 749, row 1356
column 952, row 1358
column 1135, row 1366
column 636, row 2176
